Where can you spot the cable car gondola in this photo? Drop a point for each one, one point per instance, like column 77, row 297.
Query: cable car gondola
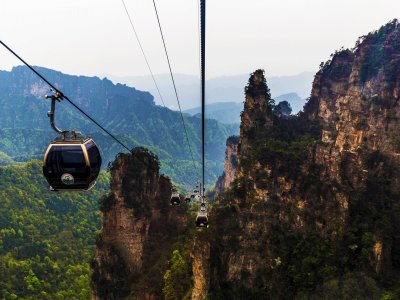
column 188, row 198
column 193, row 194
column 72, row 161
column 175, row 198
column 202, row 219
column 202, row 216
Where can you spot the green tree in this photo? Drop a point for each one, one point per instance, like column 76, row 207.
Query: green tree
column 46, row 238
column 177, row 278
column 283, row 108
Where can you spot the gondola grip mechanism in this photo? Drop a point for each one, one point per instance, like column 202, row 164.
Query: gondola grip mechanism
column 51, row 114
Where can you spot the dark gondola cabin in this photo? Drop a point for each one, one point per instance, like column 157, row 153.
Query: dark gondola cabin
column 202, row 220
column 72, row 162
column 193, row 194
column 175, row 199
column 187, row 199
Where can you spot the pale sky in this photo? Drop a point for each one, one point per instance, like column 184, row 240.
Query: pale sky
column 93, row 37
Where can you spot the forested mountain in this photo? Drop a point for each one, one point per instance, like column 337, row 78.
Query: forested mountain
column 46, row 238
column 308, row 206
column 313, row 209
column 128, row 113
column 5, row 159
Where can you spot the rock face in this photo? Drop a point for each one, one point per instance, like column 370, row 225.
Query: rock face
column 230, row 164
column 200, row 267
column 315, row 207
column 137, row 223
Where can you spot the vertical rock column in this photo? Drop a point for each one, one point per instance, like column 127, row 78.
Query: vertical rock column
column 200, row 267
column 135, row 212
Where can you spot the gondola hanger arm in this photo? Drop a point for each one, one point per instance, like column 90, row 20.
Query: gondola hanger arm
column 57, row 96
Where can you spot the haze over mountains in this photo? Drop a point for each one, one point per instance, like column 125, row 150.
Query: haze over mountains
column 229, row 112
column 224, row 112
column 219, row 89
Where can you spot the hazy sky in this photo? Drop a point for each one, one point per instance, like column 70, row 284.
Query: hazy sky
column 93, row 37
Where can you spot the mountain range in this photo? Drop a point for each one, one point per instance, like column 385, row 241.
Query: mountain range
column 229, row 112
column 308, row 206
column 130, row 114
column 218, row 89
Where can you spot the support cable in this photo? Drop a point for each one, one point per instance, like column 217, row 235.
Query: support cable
column 173, row 82
column 144, row 54
column 203, row 65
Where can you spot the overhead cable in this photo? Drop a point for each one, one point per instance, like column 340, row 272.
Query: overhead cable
column 173, row 82
column 203, row 67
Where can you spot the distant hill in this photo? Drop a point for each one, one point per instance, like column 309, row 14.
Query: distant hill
column 296, row 102
column 5, row 159
column 224, row 112
column 229, row 112
column 127, row 112
column 219, row 89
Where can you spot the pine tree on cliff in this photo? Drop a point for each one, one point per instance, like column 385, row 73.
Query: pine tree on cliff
column 257, row 115
column 176, row 279
column 257, row 88
column 283, row 109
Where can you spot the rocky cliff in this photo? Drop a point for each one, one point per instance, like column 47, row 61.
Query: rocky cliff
column 314, row 210
column 200, row 255
column 139, row 228
column 230, row 165
column 309, row 205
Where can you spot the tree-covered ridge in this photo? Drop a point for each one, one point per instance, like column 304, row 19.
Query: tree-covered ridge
column 5, row 159
column 130, row 114
column 314, row 210
column 382, row 52
column 46, row 238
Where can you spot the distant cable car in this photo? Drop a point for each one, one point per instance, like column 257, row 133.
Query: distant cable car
column 72, row 161
column 187, row 198
column 175, row 198
column 202, row 219
column 193, row 194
